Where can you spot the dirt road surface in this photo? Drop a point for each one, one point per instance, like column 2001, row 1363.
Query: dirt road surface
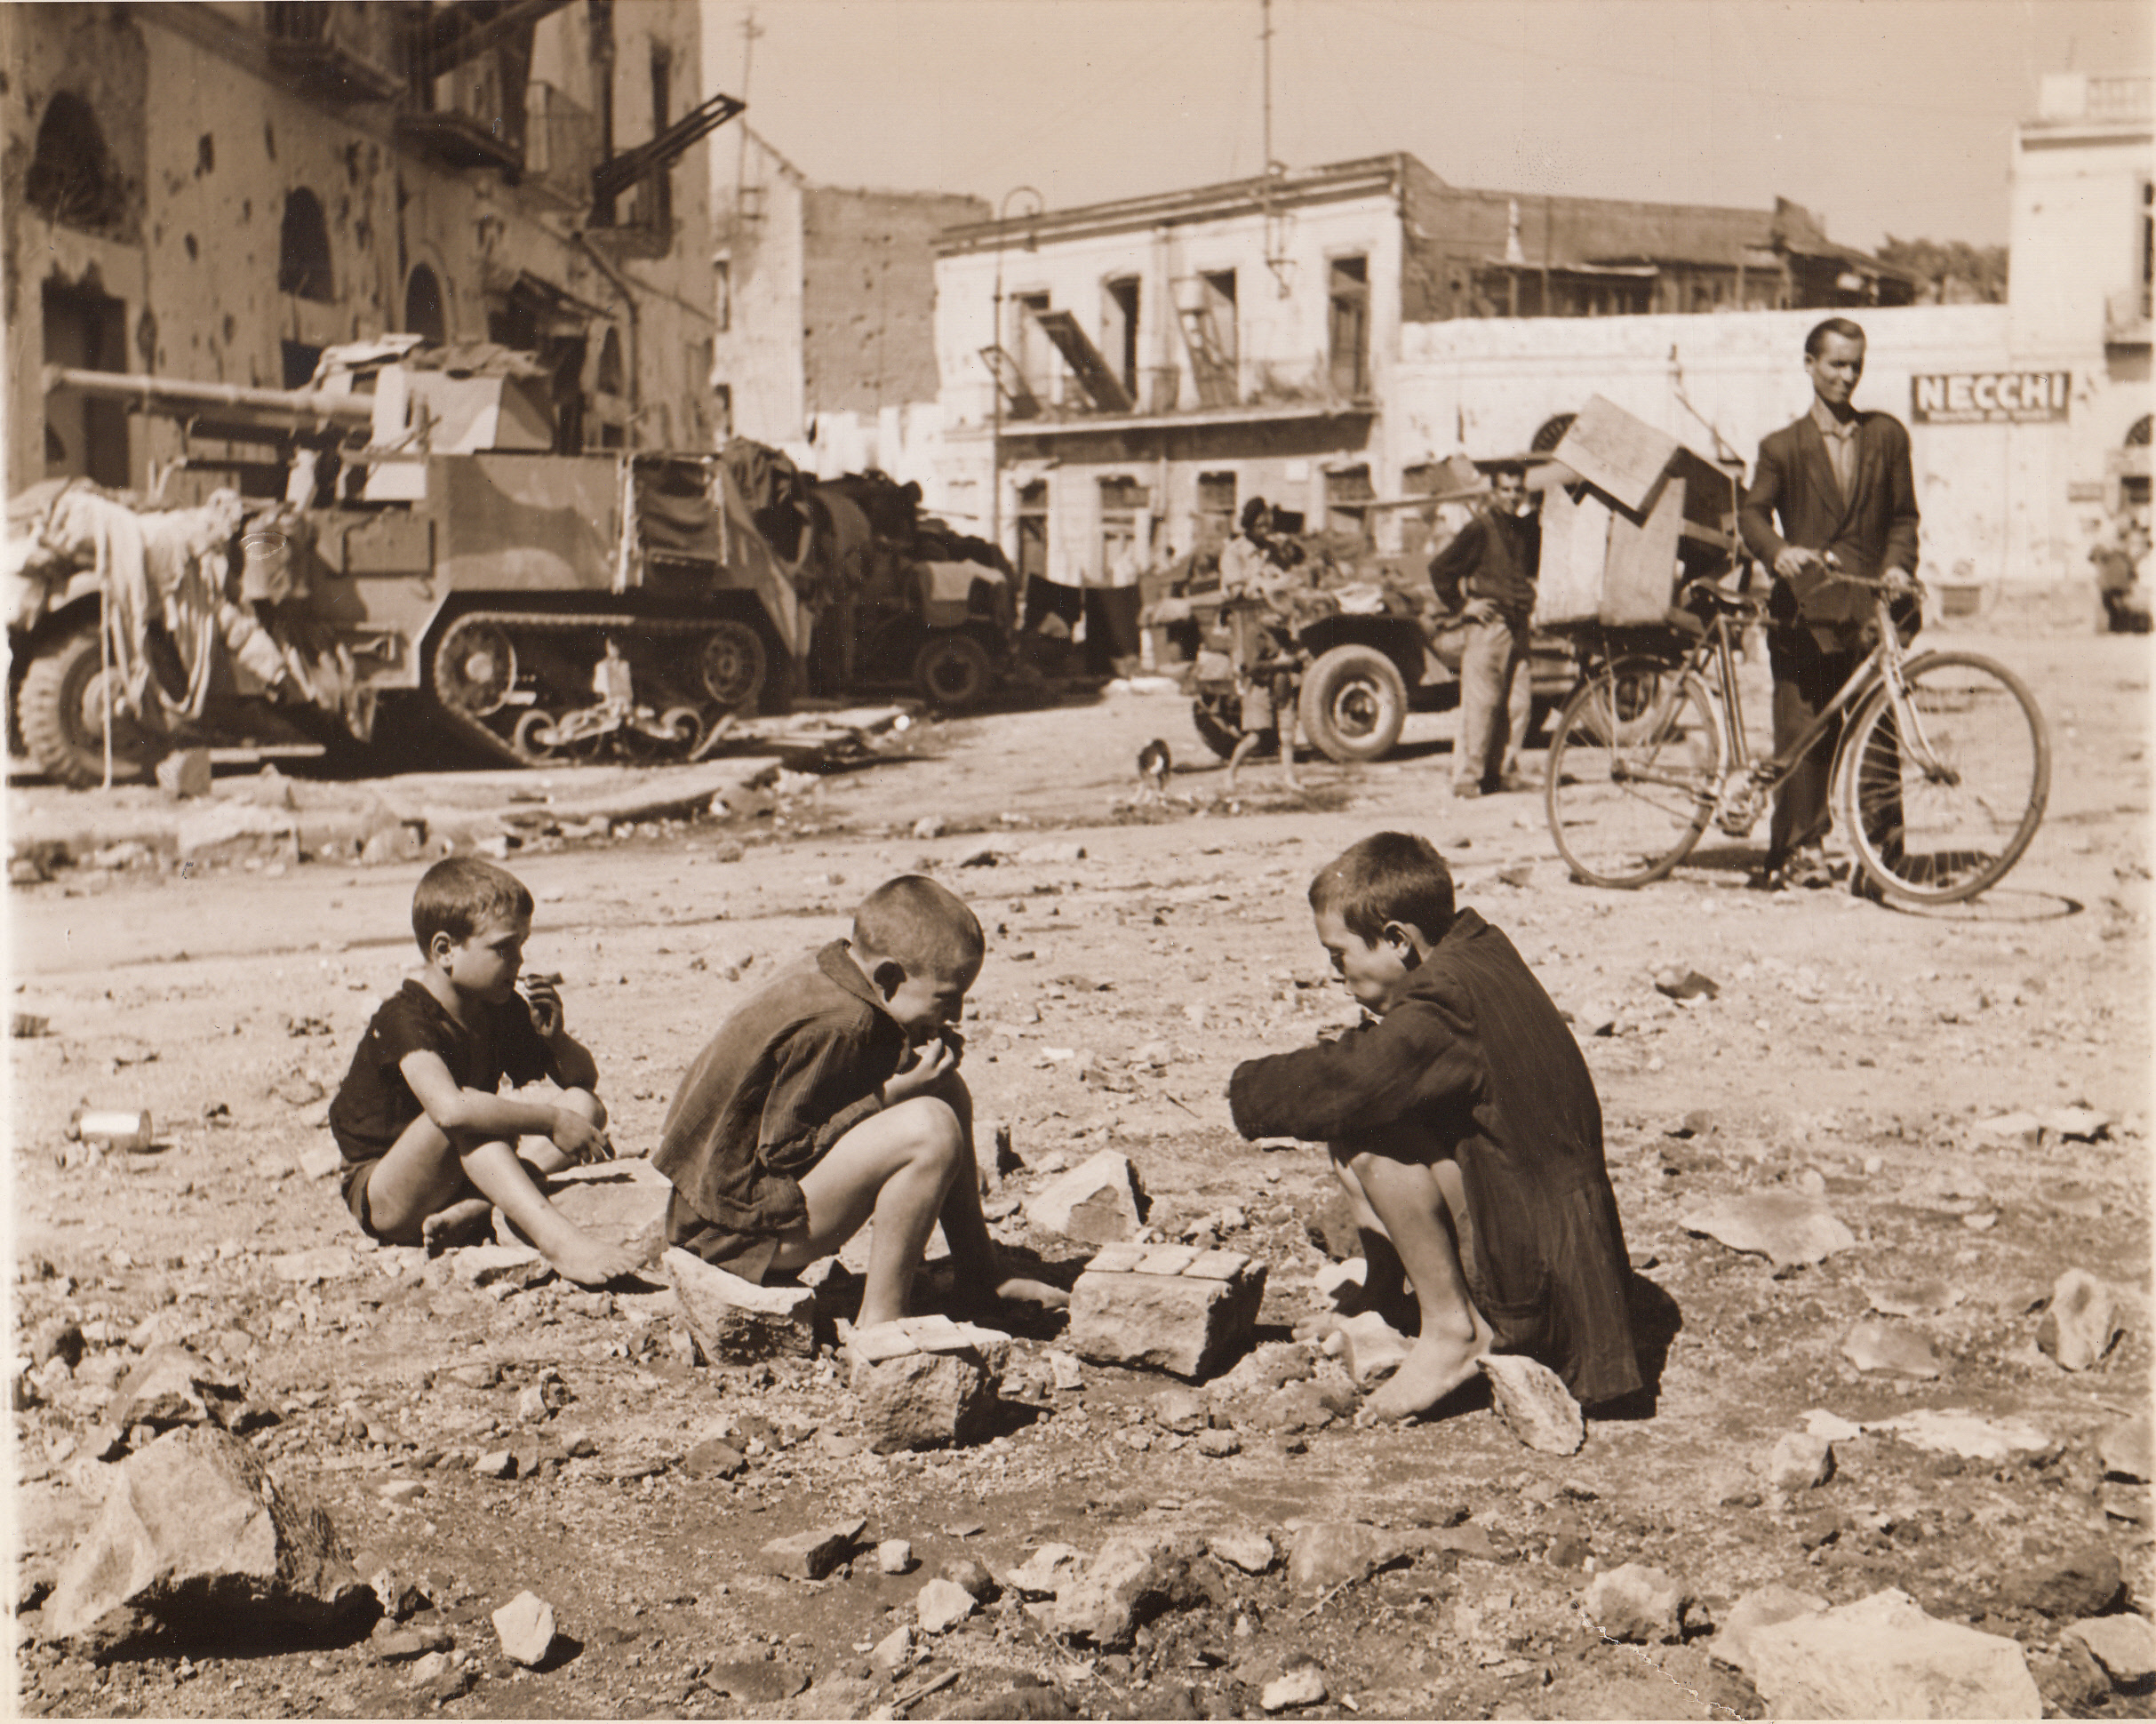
column 1852, row 1052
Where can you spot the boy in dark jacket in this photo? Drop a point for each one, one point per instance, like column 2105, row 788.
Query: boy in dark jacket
column 1464, row 1124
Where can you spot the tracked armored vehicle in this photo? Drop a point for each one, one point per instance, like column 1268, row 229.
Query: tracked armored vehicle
column 436, row 581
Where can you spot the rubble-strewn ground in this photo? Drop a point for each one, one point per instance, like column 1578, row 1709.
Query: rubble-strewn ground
column 1850, row 1052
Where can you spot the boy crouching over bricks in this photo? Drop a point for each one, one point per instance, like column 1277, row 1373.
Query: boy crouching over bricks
column 832, row 1095
column 1464, row 1124
column 429, row 1148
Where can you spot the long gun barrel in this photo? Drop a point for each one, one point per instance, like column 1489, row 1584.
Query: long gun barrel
column 235, row 405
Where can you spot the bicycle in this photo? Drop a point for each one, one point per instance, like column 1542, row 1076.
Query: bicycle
column 1940, row 775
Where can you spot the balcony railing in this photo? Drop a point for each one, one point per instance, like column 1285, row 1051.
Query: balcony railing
column 336, row 50
column 561, row 146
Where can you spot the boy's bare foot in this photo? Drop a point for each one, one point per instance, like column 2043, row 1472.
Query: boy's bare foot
column 468, row 1222
column 591, row 1262
column 1434, row 1366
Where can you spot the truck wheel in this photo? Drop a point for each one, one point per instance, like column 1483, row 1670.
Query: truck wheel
column 732, row 666
column 1354, row 703
column 63, row 711
column 952, row 672
column 1217, row 719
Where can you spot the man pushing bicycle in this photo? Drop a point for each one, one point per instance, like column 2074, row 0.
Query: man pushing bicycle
column 1839, row 481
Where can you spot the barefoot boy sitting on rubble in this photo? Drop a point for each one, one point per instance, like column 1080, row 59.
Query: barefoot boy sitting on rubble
column 429, row 1147
column 1464, row 1124
column 831, row 1096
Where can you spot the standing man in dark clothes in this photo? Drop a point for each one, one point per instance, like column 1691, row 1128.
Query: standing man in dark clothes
column 1839, row 480
column 1494, row 561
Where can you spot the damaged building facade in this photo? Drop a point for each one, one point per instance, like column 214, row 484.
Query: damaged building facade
column 826, row 344
column 1136, row 370
column 217, row 192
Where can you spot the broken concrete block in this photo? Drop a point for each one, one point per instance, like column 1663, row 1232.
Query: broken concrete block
column 1636, row 1603
column 1167, row 1308
column 1873, row 1346
column 2124, row 1645
column 196, row 1532
column 1371, row 1347
column 1135, row 1575
column 1303, row 1686
column 926, row 1382
column 1333, row 1552
column 812, row 1554
column 622, row 1202
column 1533, row 1402
column 1883, row 1658
column 1241, row 1548
column 1042, row 1573
column 184, row 774
column 1758, row 1608
column 894, row 1651
column 1783, row 1226
column 736, row 1319
column 1098, row 1201
column 171, row 1385
column 1800, row 1462
column 2082, row 1322
column 895, row 1556
column 943, row 1604
column 526, row 1628
column 1952, row 1430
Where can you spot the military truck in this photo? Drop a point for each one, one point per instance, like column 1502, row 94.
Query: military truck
column 437, row 580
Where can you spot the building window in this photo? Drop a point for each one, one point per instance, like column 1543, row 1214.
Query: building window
column 1033, row 532
column 1215, row 515
column 722, row 288
column 1349, row 342
column 86, row 328
column 1120, row 500
column 722, row 409
column 303, row 249
column 1346, row 489
column 1029, row 344
column 72, row 180
column 1207, row 308
column 298, row 360
column 423, row 314
column 1119, row 330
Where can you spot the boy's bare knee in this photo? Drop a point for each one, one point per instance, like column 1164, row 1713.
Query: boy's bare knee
column 931, row 1123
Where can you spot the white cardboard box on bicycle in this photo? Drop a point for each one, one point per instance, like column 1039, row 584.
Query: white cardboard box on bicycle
column 1613, row 545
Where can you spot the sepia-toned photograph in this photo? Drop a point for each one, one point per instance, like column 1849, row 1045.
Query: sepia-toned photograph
column 1079, row 858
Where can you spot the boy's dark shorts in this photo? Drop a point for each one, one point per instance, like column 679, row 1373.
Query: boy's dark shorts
column 354, row 1176
column 748, row 1255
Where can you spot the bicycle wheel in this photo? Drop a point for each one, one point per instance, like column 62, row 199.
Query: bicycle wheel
column 1635, row 756
column 1937, row 816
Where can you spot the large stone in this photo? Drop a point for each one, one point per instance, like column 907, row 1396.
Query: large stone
column 1042, row 1573
column 736, row 1320
column 1334, row 1553
column 1918, row 1299
column 1874, row 1346
column 1371, row 1347
column 184, row 774
column 2125, row 1646
column 926, row 1382
column 1133, row 1578
column 1783, row 1226
column 1533, row 1403
column 1952, row 1430
column 196, row 1532
column 1883, row 1658
column 171, row 1385
column 1637, row 1603
column 324, row 1263
column 812, row 1554
column 1801, row 1461
column 2128, row 1449
column 1241, row 1548
column 2080, row 1323
column 943, row 1604
column 1303, row 1686
column 526, row 1628
column 481, row 1265
column 758, row 1681
column 1166, row 1307
column 1098, row 1201
column 1760, row 1609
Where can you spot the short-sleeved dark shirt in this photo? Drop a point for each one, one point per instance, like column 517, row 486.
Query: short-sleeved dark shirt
column 374, row 1103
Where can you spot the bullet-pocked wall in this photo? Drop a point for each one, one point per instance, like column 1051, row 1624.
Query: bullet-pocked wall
column 167, row 172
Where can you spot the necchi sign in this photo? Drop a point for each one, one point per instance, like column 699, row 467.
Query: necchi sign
column 1990, row 397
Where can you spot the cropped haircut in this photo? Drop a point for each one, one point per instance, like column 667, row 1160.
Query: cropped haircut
column 1847, row 328
column 461, row 895
column 921, row 924
column 1389, row 876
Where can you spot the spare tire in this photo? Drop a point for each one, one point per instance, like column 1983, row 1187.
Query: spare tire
column 1354, row 703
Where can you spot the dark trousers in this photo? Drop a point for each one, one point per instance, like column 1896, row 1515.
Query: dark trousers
column 1111, row 628
column 1807, row 676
